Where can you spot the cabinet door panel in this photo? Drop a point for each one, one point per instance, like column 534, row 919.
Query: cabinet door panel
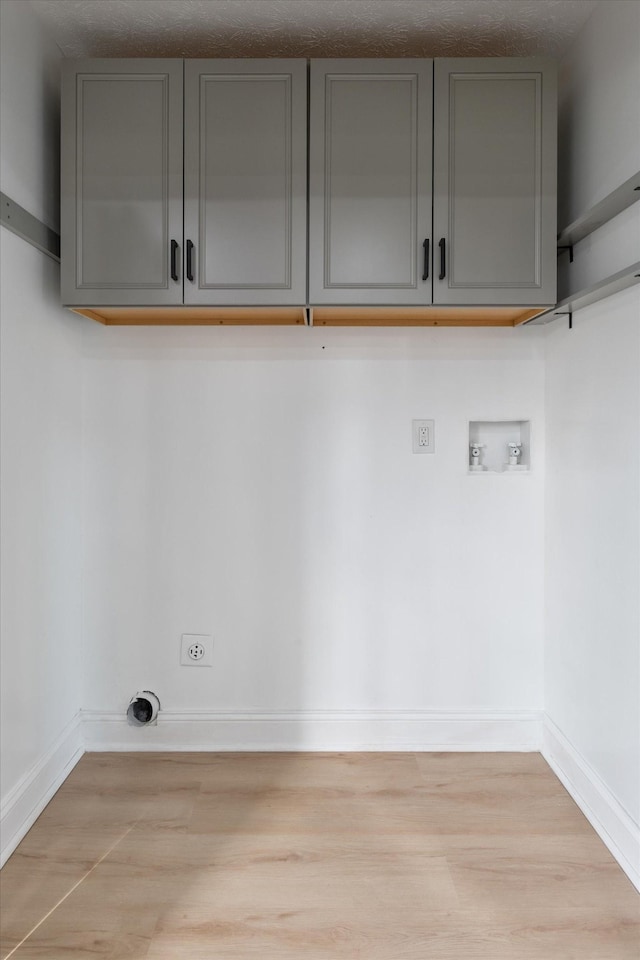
column 245, row 190
column 370, row 181
column 122, row 181
column 494, row 181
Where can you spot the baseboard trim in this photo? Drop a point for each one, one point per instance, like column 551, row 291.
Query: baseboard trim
column 617, row 830
column 27, row 799
column 319, row 730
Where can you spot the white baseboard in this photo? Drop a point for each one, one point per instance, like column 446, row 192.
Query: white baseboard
column 617, row 830
column 319, row 730
column 25, row 802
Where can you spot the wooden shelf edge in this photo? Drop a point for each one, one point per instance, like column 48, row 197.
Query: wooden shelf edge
column 428, row 316
column 615, row 283
column 338, row 316
column 609, row 207
column 194, row 316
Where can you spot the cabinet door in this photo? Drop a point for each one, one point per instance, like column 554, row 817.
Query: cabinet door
column 121, row 182
column 245, row 181
column 370, row 181
column 494, row 182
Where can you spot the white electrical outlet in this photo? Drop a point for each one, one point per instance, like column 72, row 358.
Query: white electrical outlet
column 196, row 650
column 423, row 436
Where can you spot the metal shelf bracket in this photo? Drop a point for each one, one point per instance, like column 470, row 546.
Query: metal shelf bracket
column 25, row 225
column 569, row 247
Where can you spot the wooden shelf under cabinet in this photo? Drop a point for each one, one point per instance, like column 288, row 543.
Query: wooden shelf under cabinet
column 193, row 316
column 347, row 316
column 423, row 316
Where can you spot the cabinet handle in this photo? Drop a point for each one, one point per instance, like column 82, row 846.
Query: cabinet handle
column 189, row 260
column 443, row 259
column 425, row 268
column 174, row 260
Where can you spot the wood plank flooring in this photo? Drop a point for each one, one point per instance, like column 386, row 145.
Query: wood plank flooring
column 304, row 856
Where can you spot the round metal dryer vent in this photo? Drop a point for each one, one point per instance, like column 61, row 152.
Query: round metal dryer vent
column 143, row 709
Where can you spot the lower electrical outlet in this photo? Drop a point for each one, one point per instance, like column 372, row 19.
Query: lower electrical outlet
column 196, row 650
column 423, row 436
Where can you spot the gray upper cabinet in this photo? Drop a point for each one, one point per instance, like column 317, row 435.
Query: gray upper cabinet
column 494, row 213
column 370, row 181
column 245, row 181
column 121, row 182
column 186, row 183
column 243, row 130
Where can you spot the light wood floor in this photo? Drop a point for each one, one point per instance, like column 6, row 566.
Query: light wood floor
column 315, row 857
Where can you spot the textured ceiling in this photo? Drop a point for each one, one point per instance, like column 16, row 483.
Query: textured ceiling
column 314, row 28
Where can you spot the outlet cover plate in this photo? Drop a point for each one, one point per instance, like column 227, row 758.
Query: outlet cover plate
column 201, row 642
column 423, row 436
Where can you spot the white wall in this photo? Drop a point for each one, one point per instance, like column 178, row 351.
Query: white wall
column 592, row 676
column 598, row 137
column 40, row 455
column 598, row 108
column 30, row 113
column 260, row 485
column 593, row 539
